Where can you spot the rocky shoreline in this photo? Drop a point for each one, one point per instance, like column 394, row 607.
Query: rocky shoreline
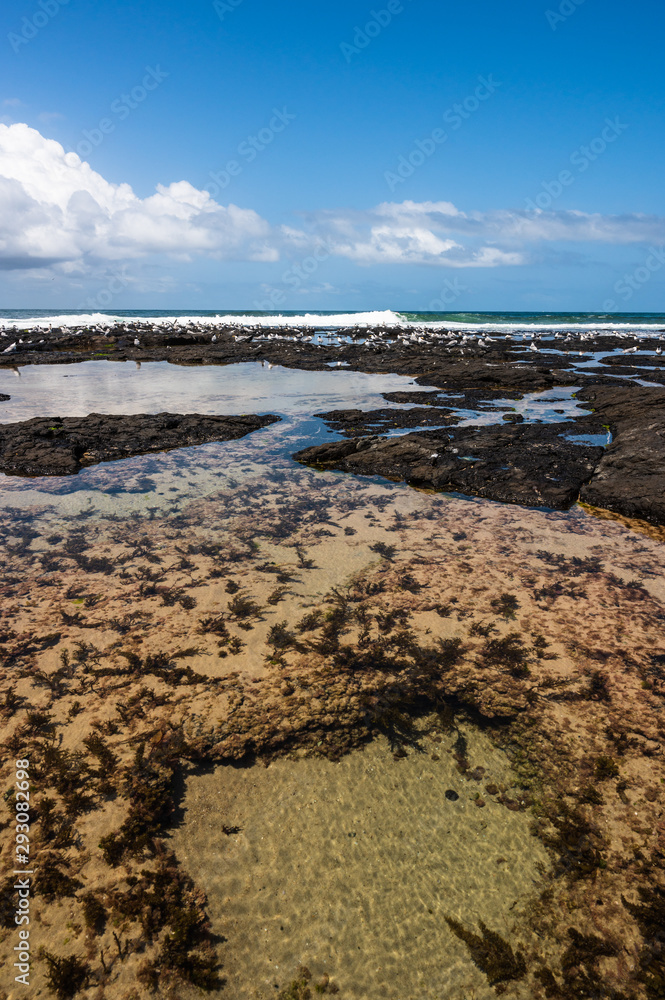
column 537, row 464
column 62, row 446
column 530, row 463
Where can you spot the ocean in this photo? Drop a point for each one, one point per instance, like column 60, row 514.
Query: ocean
column 505, row 322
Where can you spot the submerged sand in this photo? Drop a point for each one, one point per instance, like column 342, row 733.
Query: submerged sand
column 535, row 635
column 351, row 868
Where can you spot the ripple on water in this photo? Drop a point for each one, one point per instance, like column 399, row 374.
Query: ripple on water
column 350, row 868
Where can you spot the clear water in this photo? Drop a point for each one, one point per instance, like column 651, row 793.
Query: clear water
column 349, row 867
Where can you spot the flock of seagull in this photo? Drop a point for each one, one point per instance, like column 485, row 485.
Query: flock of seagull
column 370, row 337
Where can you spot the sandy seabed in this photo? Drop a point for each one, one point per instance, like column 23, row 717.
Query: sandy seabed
column 293, row 731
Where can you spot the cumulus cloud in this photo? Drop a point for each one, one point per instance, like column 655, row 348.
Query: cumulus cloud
column 57, row 212
column 55, row 208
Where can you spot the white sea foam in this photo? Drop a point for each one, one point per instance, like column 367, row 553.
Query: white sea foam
column 361, row 320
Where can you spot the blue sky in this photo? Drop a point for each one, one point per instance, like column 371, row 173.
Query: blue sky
column 338, row 98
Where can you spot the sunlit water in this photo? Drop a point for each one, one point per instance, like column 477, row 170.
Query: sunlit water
column 349, row 868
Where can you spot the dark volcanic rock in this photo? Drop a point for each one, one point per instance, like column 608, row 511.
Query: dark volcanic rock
column 470, row 399
column 477, row 373
column 530, row 464
column 61, row 446
column 635, row 360
column 630, row 478
column 353, row 423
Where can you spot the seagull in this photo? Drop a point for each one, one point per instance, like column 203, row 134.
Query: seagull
column 629, row 350
column 8, row 350
column 533, row 348
column 214, row 338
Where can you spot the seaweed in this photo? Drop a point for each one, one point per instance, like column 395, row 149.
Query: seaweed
column 480, row 628
column 51, row 881
column 605, row 768
column 94, row 912
column 148, row 785
column 385, row 551
column 242, row 608
column 405, row 581
column 571, row 567
column 591, row 795
column 279, row 637
column 94, row 564
column 585, row 949
column 11, row 702
column 598, row 689
column 177, row 595
column 56, row 828
column 283, row 576
column 165, row 898
column 649, row 913
column 66, row 975
column 493, row 956
column 573, row 840
column 387, row 620
column 215, row 624
column 299, row 988
column 311, row 621
column 507, row 652
column 76, row 543
column 506, row 605
column 449, row 652
column 39, row 722
column 559, row 589
column 98, row 748
column 303, row 561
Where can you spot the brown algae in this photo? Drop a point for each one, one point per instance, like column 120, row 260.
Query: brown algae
column 526, row 643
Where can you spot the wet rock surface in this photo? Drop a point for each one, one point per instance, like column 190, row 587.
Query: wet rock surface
column 61, row 446
column 352, row 423
column 530, row 464
column 627, row 479
column 630, row 477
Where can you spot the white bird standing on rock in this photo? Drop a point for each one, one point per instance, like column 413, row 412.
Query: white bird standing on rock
column 8, row 350
column 214, row 338
column 137, row 342
column 533, row 348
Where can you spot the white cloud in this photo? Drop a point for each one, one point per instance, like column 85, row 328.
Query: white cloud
column 54, row 208
column 58, row 214
column 437, row 233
